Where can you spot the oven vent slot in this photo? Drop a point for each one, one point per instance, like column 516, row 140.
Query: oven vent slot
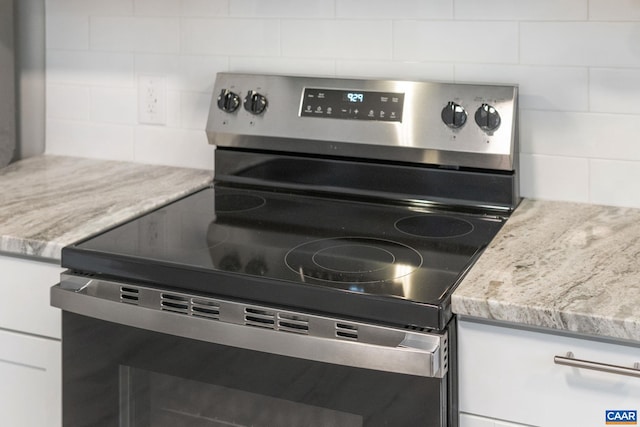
column 129, row 295
column 260, row 318
column 205, row 308
column 293, row 323
column 174, row 303
column 347, row 331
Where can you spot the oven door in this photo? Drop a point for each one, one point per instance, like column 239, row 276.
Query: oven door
column 126, row 365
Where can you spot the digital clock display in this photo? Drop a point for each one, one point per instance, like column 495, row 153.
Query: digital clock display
column 354, row 97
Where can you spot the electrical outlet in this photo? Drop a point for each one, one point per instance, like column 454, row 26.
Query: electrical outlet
column 152, row 95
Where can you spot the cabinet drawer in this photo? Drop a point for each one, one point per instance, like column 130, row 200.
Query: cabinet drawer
column 30, row 390
column 24, row 297
column 510, row 374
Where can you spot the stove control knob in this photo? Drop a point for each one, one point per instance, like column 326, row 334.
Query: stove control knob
column 454, row 115
column 255, row 103
column 228, row 101
column 487, row 118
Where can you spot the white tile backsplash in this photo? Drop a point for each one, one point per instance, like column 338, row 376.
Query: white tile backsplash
column 90, row 139
column 68, row 32
column 174, row 109
column 409, row 70
column 89, row 7
column 308, row 9
column 576, row 63
column 614, row 10
column 280, row 65
column 68, row 102
column 137, row 34
column 615, row 90
column 615, row 182
column 113, row 105
column 588, row 135
column 113, row 33
column 195, row 110
column 554, row 177
column 595, row 44
column 186, row 148
column 157, row 7
column 204, row 8
column 556, row 133
column 398, row 9
column 232, row 37
column 90, row 68
column 456, row 41
column 521, row 10
column 340, row 39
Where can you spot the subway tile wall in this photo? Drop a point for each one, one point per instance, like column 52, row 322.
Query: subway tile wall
column 577, row 63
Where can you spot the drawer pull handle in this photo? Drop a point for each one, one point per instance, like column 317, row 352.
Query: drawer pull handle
column 570, row 360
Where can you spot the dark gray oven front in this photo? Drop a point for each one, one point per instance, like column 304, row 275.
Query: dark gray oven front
column 139, row 356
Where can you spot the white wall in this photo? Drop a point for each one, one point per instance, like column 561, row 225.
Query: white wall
column 577, row 63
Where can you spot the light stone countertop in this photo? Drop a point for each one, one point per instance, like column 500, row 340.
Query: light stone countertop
column 567, row 266
column 48, row 202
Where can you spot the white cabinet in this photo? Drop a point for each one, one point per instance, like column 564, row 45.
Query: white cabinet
column 509, row 374
column 30, row 348
column 30, row 389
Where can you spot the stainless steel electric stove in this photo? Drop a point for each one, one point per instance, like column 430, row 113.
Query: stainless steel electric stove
column 322, row 259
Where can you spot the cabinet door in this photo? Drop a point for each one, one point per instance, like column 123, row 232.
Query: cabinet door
column 24, row 306
column 509, row 374
column 30, row 384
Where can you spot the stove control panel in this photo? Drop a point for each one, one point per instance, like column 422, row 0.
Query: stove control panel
column 453, row 125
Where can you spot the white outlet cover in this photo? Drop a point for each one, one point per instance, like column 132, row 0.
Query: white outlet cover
column 152, row 99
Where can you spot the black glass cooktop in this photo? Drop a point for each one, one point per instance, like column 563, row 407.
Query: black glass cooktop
column 383, row 263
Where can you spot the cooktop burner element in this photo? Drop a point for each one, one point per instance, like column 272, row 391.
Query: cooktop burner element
column 434, row 226
column 353, row 260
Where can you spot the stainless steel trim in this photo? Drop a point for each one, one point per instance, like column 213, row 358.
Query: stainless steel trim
column 570, row 360
column 421, row 137
column 238, row 325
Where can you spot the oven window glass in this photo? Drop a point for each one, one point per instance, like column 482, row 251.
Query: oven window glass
column 160, row 400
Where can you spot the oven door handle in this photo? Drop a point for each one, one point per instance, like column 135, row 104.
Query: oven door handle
column 416, row 354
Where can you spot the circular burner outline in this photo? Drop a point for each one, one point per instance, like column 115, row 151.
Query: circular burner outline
column 344, row 239
column 262, row 201
column 388, row 263
column 448, row 217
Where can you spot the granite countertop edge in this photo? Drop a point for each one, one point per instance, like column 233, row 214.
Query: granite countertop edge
column 50, row 201
column 570, row 267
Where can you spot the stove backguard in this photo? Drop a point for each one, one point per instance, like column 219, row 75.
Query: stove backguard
column 447, row 125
